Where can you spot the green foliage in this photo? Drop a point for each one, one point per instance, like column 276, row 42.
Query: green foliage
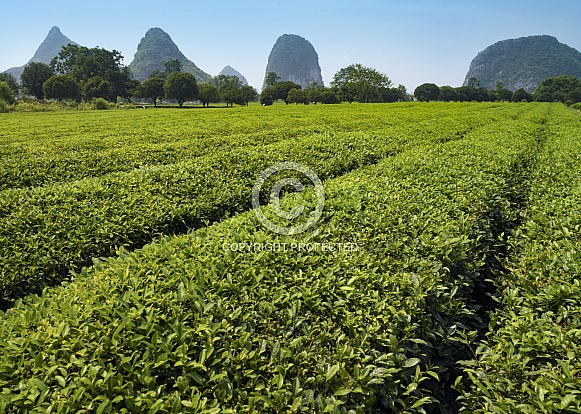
column 131, row 89
column 7, row 94
column 271, row 78
column 61, row 87
column 247, row 94
column 447, row 94
column 186, row 324
column 329, row 96
column 229, row 89
column 131, row 207
column 267, row 96
column 100, row 104
column 469, row 94
column 4, row 107
column 280, row 90
column 152, row 88
column 34, row 76
column 97, row 87
column 520, row 94
column 427, row 92
column 313, row 94
column 530, row 361
column 361, row 83
column 297, row 96
column 208, row 93
column 181, row 86
column 11, row 81
column 559, row 89
column 501, row 93
column 94, row 66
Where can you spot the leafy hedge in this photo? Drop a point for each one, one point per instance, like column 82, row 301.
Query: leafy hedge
column 531, row 360
column 190, row 324
column 48, row 232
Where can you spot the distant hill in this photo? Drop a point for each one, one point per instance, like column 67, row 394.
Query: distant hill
column 294, row 58
column 48, row 49
column 230, row 71
column 154, row 50
column 524, row 62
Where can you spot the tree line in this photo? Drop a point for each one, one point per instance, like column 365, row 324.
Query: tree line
column 354, row 83
column 82, row 73
column 566, row 89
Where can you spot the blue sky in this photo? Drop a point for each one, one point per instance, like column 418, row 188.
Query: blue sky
column 412, row 41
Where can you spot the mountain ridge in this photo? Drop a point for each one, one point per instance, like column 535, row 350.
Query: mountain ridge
column 524, row 62
column 156, row 48
column 293, row 58
column 230, row 71
column 48, row 49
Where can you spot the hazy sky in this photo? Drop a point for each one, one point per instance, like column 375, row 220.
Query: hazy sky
column 412, row 41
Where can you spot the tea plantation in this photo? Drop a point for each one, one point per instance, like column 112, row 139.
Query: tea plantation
column 135, row 277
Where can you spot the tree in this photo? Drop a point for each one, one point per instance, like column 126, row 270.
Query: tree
column 248, row 94
column 97, row 87
column 208, row 93
column 35, row 74
column 558, row 87
column 574, row 95
column 427, row 92
column 314, row 93
column 152, row 88
column 267, row 96
column 502, row 94
column 361, row 83
column 11, row 81
column 521, row 95
column 229, row 88
column 131, row 89
column 61, row 87
column 83, row 63
column 282, row 89
column 447, row 94
column 6, row 93
column 298, row 96
column 328, row 96
column 181, row 86
column 271, row 78
column 543, row 97
column 173, row 65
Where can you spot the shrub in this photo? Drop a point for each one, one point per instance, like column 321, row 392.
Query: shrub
column 3, row 106
column 100, row 104
column 266, row 101
column 6, row 93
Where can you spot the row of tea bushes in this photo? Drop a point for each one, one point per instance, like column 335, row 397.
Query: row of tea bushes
column 531, row 360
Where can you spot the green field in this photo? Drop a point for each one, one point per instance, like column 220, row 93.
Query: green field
column 134, row 275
